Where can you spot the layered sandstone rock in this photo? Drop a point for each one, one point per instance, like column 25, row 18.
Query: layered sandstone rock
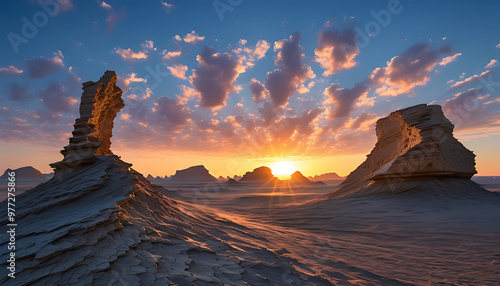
column 415, row 143
column 100, row 103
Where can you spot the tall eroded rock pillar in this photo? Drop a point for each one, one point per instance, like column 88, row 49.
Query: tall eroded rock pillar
column 100, row 103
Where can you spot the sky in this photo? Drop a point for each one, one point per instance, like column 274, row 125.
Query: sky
column 238, row 84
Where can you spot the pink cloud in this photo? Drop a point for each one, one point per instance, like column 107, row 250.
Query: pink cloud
column 471, row 80
column 343, row 99
column 449, row 59
column 337, row 50
column 42, row 66
column 11, row 70
column 283, row 83
column 191, row 38
column 257, row 89
column 178, row 71
column 492, row 63
column 170, row 55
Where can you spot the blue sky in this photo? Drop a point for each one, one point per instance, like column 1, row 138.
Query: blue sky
column 432, row 46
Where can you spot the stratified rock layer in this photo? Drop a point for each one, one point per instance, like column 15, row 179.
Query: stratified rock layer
column 100, row 103
column 415, row 143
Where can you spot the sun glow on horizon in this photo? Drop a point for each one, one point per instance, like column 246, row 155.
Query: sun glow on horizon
column 282, row 168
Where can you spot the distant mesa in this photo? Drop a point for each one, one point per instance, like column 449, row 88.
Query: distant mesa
column 196, row 173
column 325, row 177
column 220, row 178
column 415, row 148
column 149, row 177
column 24, row 173
column 49, row 175
column 298, row 178
column 261, row 175
column 232, row 182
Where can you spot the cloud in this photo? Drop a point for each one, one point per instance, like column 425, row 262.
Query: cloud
column 104, row 5
column 42, row 66
column 130, row 55
column 124, row 81
column 168, row 6
column 18, row 93
column 492, row 63
column 62, row 5
column 55, row 99
column 170, row 55
column 470, row 80
column 191, row 38
column 214, row 79
column 474, row 111
column 449, row 59
column 497, row 46
column 11, row 70
column 171, row 110
column 337, row 50
column 114, row 18
column 250, row 55
column 343, row 99
column 178, row 71
column 257, row 89
column 410, row 69
column 282, row 83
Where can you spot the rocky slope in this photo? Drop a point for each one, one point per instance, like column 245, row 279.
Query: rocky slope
column 99, row 222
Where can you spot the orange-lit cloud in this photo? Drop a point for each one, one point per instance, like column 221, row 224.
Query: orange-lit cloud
column 178, row 71
column 191, row 38
column 337, row 50
column 471, row 80
column 11, row 70
column 449, row 59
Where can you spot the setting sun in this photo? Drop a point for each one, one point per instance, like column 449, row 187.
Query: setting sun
column 282, row 168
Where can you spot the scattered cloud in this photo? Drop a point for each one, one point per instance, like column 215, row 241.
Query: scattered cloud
column 250, row 55
column 337, row 50
column 343, row 99
column 473, row 111
column 11, row 70
column 113, row 18
column 168, row 6
column 215, row 76
column 257, row 89
column 178, row 71
column 171, row 110
column 449, row 59
column 471, row 80
column 191, row 38
column 170, row 55
column 410, row 69
column 130, row 55
column 18, row 93
column 498, row 46
column 41, row 67
column 282, row 83
column 55, row 98
column 104, row 5
column 492, row 63
column 124, row 81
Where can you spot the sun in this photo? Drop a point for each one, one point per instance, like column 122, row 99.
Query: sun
column 282, row 168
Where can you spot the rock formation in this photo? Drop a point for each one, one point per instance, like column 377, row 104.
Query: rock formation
column 298, row 178
column 99, row 222
column 259, row 174
column 100, row 103
column 414, row 144
column 326, row 176
column 193, row 174
column 24, row 173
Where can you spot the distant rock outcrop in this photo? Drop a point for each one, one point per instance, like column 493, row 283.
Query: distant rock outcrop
column 232, row 182
column 24, row 173
column 193, row 174
column 100, row 103
column 298, row 178
column 149, row 177
column 414, row 144
column 261, row 174
column 327, row 176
